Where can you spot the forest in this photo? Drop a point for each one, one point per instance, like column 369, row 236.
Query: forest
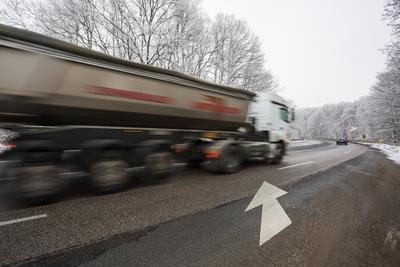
column 375, row 117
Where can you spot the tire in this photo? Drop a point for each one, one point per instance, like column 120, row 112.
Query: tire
column 159, row 164
column 280, row 150
column 38, row 183
column 230, row 161
column 109, row 174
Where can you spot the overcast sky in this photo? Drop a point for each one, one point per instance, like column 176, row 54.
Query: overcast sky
column 322, row 51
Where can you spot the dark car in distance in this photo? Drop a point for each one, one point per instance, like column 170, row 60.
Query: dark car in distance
column 341, row 141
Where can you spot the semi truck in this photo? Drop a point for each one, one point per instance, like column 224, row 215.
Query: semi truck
column 75, row 110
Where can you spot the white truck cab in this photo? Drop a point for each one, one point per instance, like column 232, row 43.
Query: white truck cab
column 271, row 113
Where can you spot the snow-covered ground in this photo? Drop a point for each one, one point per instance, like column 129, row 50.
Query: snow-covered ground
column 392, row 152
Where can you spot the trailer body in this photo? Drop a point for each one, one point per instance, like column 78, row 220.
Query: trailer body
column 50, row 82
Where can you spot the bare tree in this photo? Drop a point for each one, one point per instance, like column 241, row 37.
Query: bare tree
column 173, row 34
column 190, row 49
column 238, row 59
column 386, row 104
column 18, row 13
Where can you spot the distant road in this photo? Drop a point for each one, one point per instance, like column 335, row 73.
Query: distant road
column 307, row 144
column 304, row 143
column 343, row 202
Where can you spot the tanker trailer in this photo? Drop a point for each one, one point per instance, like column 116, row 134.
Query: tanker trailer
column 93, row 114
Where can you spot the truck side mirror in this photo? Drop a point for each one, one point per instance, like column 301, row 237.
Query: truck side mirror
column 292, row 115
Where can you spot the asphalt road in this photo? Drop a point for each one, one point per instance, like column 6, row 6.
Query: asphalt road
column 343, row 201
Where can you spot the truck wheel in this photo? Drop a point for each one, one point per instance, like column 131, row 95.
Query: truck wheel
column 230, row 160
column 159, row 164
column 280, row 150
column 109, row 173
column 38, row 183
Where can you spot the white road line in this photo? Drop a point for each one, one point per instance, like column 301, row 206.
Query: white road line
column 23, row 219
column 296, row 165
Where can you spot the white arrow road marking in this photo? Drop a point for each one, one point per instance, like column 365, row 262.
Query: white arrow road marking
column 274, row 218
column 23, row 219
column 296, row 165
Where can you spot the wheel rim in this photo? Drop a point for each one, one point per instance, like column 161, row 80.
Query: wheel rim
column 231, row 159
column 106, row 174
column 280, row 151
column 38, row 181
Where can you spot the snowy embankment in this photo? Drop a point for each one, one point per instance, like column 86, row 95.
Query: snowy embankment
column 392, row 152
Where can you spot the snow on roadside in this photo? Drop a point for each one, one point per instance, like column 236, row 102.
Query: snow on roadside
column 392, row 152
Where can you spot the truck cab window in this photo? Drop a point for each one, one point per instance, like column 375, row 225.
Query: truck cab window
column 284, row 114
